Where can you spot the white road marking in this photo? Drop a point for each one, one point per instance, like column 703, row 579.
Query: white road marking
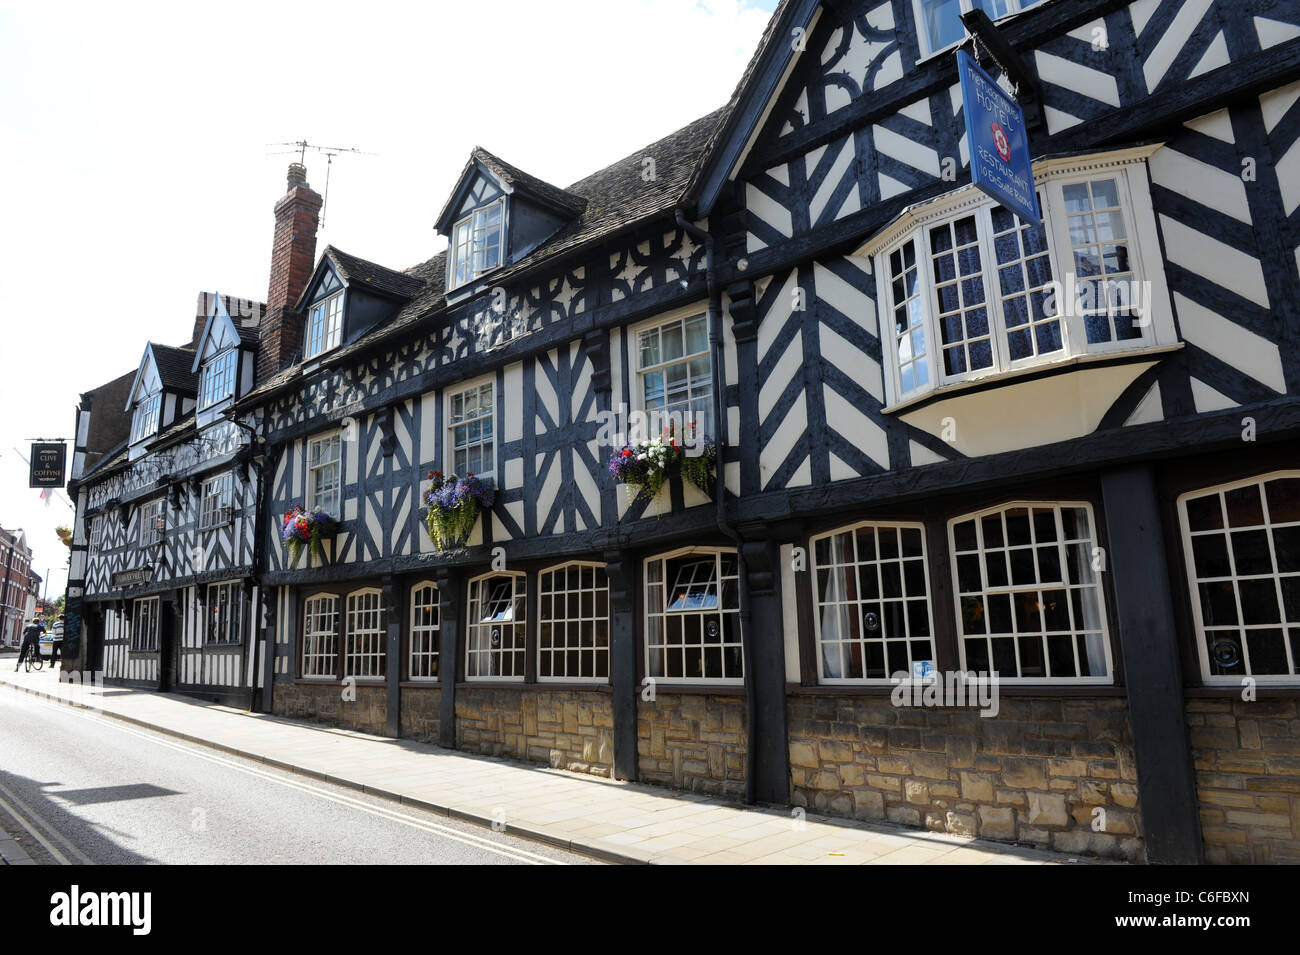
column 478, row 842
column 14, row 804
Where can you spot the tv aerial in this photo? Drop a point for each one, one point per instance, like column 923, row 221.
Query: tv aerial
column 301, row 147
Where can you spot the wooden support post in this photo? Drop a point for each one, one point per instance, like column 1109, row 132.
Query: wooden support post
column 449, row 604
column 620, row 569
column 1153, row 676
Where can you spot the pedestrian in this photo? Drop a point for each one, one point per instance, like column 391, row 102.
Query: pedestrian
column 31, row 639
column 56, row 647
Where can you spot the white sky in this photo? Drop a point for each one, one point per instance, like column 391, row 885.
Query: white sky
column 134, row 166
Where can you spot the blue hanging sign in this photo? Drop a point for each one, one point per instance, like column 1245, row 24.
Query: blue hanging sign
column 999, row 145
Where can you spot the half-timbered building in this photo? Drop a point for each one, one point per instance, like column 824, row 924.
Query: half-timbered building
column 949, row 441
column 164, row 548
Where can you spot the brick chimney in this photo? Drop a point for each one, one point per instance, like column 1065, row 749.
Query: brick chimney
column 293, row 256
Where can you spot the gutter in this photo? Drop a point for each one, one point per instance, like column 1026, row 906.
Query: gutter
column 720, row 516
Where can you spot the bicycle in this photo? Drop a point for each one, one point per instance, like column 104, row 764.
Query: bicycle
column 34, row 662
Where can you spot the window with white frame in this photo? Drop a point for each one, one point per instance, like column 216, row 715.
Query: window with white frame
column 471, row 435
column 145, row 422
column 223, row 613
column 217, row 378
column 476, row 243
column 144, row 624
column 873, row 610
column 324, row 326
column 364, row 655
column 495, row 641
column 217, row 501
column 573, row 623
column 1029, row 597
column 425, row 632
column 96, row 533
column 153, row 522
column 320, row 635
column 938, row 22
column 1242, row 546
column 692, row 632
column 971, row 291
column 324, row 473
column 675, row 375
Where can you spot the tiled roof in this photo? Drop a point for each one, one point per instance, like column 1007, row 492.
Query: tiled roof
column 356, row 271
column 174, row 367
column 517, row 178
column 617, row 197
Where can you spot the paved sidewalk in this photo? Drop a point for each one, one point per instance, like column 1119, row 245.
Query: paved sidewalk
column 619, row 822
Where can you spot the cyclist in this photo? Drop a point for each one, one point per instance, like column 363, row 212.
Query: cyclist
column 31, row 640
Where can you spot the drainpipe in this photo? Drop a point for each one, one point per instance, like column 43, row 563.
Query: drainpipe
column 720, row 516
column 254, row 441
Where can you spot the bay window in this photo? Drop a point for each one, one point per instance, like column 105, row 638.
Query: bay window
column 1242, row 546
column 938, row 22
column 969, row 291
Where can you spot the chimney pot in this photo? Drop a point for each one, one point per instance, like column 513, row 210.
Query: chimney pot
column 297, row 175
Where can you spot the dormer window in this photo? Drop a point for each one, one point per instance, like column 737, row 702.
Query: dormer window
column 476, row 243
column 145, row 422
column 325, row 325
column 217, row 379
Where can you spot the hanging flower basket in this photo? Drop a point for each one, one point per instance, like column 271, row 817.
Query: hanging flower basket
column 303, row 529
column 453, row 505
column 647, row 465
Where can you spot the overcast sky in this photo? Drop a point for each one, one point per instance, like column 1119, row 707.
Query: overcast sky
column 135, row 169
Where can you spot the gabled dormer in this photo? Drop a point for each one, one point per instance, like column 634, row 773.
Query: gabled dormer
column 162, row 394
column 495, row 216
column 347, row 297
column 223, row 356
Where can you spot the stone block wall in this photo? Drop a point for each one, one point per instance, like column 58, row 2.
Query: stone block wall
column 421, row 713
column 324, row 703
column 1247, row 759
column 566, row 729
column 693, row 741
column 1034, row 774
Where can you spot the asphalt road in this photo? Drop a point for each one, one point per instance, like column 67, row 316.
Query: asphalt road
column 79, row 788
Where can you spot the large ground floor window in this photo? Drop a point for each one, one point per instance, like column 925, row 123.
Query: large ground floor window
column 573, row 623
column 692, row 617
column 1242, row 546
column 495, row 645
column 144, row 624
column 344, row 635
column 1029, row 597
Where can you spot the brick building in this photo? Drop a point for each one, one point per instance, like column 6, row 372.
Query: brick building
column 16, row 600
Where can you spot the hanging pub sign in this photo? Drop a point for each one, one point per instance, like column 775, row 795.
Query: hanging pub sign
column 48, row 464
column 999, row 144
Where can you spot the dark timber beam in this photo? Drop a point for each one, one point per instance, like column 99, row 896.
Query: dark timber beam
column 765, row 657
column 1148, row 640
column 449, row 583
column 393, row 599
column 620, row 572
